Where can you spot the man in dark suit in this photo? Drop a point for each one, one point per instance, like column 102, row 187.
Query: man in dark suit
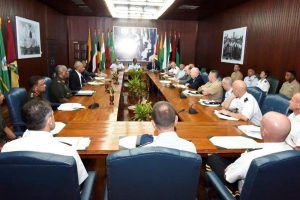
column 76, row 80
column 196, row 80
column 153, row 65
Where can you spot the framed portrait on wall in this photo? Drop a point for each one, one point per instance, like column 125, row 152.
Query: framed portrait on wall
column 233, row 45
column 28, row 38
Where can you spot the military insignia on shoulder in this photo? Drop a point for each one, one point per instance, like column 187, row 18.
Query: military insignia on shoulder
column 265, row 81
column 246, row 99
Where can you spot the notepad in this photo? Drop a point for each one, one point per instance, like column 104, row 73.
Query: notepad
column 99, row 78
column 85, row 93
column 58, row 127
column 95, row 83
column 251, row 131
column 234, row 142
column 129, row 142
column 78, row 143
column 192, row 93
column 70, row 106
column 222, row 116
column 210, row 103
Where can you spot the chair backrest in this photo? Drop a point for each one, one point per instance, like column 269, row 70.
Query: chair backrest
column 33, row 175
column 47, row 94
column 275, row 176
column 274, row 84
column 275, row 102
column 258, row 94
column 15, row 99
column 204, row 76
column 153, row 173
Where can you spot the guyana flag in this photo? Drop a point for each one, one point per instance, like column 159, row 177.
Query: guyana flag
column 11, row 57
column 4, row 78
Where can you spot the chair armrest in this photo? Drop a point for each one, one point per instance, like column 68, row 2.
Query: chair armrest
column 87, row 187
column 219, row 186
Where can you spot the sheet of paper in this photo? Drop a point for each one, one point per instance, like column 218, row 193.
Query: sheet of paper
column 209, row 103
column 221, row 116
column 192, row 93
column 58, row 127
column 128, row 142
column 251, row 131
column 85, row 92
column 78, row 143
column 95, row 83
column 70, row 106
column 99, row 78
column 234, row 142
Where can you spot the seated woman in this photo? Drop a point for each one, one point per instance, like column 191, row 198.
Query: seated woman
column 6, row 133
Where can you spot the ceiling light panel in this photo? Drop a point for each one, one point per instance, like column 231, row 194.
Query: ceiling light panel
column 138, row 9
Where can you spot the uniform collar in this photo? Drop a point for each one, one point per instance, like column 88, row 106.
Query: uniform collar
column 37, row 134
column 273, row 145
column 167, row 134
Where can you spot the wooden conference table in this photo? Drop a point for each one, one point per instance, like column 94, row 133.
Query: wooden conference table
column 102, row 127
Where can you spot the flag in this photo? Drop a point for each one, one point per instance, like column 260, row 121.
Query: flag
column 11, row 57
column 173, row 55
column 156, row 47
column 161, row 51
column 4, row 78
column 94, row 53
column 178, row 53
column 112, row 47
column 89, row 48
column 103, row 59
column 107, row 51
column 165, row 59
column 169, row 48
column 98, row 57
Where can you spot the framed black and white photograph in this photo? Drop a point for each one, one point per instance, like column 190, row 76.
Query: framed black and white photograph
column 28, row 38
column 233, row 45
column 134, row 42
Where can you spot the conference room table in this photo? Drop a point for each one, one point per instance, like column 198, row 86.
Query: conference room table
column 104, row 131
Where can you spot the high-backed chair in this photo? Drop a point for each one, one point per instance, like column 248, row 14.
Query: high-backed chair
column 274, row 85
column 34, row 175
column 15, row 99
column 48, row 95
column 152, row 173
column 275, row 176
column 275, row 102
column 204, row 77
column 258, row 94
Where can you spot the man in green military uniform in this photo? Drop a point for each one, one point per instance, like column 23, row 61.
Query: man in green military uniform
column 59, row 90
column 37, row 88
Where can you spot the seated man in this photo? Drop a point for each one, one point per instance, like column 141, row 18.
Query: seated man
column 181, row 72
column 173, row 70
column 87, row 75
column 251, row 79
column 134, row 65
column 274, row 129
column 39, row 119
column 117, row 65
column 76, row 80
column 164, row 120
column 196, row 80
column 59, row 89
column 293, row 139
column 37, row 88
column 241, row 104
column 263, row 83
column 291, row 86
column 187, row 75
column 227, row 85
column 154, row 64
column 6, row 134
column 236, row 74
column 213, row 88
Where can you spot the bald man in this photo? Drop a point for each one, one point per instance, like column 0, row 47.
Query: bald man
column 213, row 88
column 241, row 104
column 173, row 69
column 76, row 79
column 293, row 138
column 274, row 129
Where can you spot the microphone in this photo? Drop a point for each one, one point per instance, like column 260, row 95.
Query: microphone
column 94, row 105
column 192, row 110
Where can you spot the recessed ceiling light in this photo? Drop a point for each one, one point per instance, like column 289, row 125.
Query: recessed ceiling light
column 139, row 9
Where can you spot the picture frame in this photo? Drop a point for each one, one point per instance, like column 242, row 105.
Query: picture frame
column 233, row 45
column 28, row 38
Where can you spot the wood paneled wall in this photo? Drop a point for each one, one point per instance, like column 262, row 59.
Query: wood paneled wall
column 272, row 42
column 78, row 31
column 53, row 26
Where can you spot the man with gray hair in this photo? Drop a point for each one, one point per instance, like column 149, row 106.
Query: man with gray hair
column 60, row 92
column 213, row 88
column 196, row 80
column 76, row 79
column 39, row 119
column 164, row 120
